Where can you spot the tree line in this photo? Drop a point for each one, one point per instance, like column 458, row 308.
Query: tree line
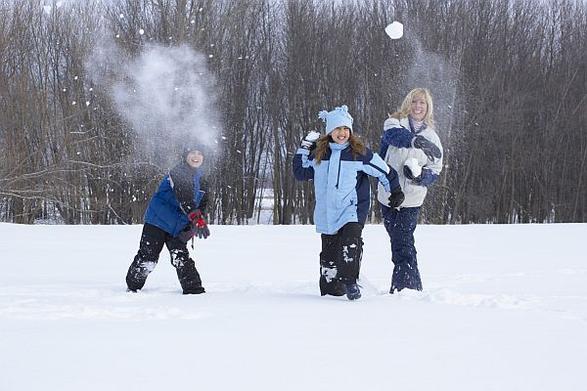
column 508, row 78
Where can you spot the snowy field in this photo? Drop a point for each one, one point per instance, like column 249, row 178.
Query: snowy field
column 504, row 308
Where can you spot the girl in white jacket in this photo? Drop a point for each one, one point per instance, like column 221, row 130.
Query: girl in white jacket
column 411, row 147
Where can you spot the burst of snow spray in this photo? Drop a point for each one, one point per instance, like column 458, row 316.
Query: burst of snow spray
column 166, row 94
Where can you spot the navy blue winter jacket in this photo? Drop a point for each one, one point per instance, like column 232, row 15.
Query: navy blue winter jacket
column 180, row 192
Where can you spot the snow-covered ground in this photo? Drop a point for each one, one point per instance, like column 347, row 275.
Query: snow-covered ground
column 504, row 308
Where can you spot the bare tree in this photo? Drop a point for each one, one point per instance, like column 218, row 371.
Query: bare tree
column 508, row 77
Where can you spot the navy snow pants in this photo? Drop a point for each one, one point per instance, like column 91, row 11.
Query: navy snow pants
column 400, row 225
column 152, row 241
column 340, row 259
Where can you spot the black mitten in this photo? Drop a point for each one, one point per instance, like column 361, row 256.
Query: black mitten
column 408, row 174
column 396, row 197
column 428, row 147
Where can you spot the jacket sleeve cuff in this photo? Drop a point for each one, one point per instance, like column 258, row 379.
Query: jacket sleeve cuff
column 391, row 123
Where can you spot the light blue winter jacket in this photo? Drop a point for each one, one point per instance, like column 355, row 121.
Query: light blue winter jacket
column 341, row 184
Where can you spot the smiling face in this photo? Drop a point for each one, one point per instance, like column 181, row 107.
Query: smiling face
column 195, row 159
column 341, row 134
column 418, row 108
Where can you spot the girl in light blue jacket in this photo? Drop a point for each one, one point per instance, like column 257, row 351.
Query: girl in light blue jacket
column 339, row 164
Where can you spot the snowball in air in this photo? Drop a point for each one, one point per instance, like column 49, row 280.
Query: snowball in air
column 414, row 166
column 395, row 30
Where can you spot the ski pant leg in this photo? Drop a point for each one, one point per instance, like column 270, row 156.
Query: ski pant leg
column 351, row 252
column 400, row 225
column 329, row 277
column 188, row 275
column 152, row 241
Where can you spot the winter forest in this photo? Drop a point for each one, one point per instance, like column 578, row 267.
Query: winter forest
column 97, row 99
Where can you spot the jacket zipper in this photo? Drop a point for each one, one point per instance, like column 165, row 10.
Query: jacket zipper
column 338, row 173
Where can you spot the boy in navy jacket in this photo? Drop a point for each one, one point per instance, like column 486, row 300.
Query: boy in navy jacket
column 175, row 215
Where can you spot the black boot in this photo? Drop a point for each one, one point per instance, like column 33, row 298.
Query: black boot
column 332, row 288
column 189, row 278
column 188, row 275
column 194, row 290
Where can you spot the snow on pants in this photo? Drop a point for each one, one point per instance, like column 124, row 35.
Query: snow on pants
column 340, row 259
column 400, row 225
column 152, row 241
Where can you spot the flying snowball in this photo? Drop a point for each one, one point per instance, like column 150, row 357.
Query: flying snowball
column 395, row 30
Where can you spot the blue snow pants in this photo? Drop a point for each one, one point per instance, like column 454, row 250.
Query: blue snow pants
column 400, row 225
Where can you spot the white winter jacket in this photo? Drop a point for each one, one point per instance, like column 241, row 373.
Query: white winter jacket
column 396, row 158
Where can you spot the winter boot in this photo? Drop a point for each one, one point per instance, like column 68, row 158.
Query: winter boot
column 188, row 275
column 194, row 290
column 406, row 276
column 352, row 291
column 332, row 288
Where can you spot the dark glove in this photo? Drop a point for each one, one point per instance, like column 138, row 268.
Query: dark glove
column 428, row 147
column 396, row 197
column 200, row 229
column 408, row 174
column 309, row 142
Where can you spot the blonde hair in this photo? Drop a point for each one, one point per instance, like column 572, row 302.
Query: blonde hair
column 405, row 108
column 322, row 145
